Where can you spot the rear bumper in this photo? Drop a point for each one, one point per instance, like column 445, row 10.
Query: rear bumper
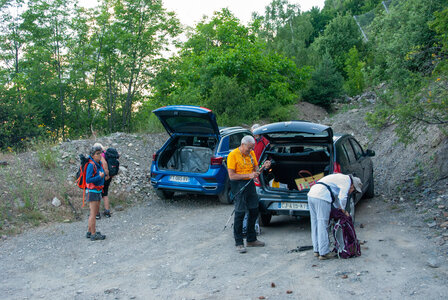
column 283, row 203
column 210, row 183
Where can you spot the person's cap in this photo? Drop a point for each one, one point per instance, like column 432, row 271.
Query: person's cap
column 357, row 183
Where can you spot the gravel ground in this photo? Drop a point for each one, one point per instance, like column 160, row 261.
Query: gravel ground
column 178, row 250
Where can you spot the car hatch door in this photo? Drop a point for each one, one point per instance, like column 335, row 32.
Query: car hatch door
column 188, row 119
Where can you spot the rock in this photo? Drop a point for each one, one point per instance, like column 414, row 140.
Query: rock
column 433, row 262
column 119, row 208
column 65, row 155
column 4, row 237
column 3, row 163
column 444, row 224
column 56, row 202
column 432, row 224
column 441, row 206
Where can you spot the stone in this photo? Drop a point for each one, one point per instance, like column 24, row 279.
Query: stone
column 119, row 208
column 433, row 262
column 56, row 202
column 432, row 224
column 444, row 224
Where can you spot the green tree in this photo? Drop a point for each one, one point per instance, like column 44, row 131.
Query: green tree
column 225, row 67
column 131, row 39
column 325, row 85
column 340, row 35
column 355, row 82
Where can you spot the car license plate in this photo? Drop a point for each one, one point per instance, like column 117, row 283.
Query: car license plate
column 293, row 205
column 179, row 178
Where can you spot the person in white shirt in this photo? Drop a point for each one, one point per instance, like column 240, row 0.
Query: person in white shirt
column 320, row 201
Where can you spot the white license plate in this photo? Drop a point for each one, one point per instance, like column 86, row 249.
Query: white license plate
column 292, row 205
column 179, row 178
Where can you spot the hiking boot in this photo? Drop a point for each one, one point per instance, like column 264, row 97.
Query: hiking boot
column 106, row 213
column 316, row 254
column 98, row 216
column 255, row 243
column 97, row 236
column 327, row 256
column 241, row 249
column 88, row 235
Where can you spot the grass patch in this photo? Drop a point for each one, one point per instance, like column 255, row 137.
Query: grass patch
column 47, row 158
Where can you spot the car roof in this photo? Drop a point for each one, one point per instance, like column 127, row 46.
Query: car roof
column 229, row 130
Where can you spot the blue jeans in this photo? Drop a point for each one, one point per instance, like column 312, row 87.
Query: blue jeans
column 319, row 216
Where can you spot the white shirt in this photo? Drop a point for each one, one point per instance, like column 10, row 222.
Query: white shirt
column 339, row 185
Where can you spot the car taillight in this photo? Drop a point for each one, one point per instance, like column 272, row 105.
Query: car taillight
column 216, row 160
column 154, row 157
column 336, row 168
column 257, row 181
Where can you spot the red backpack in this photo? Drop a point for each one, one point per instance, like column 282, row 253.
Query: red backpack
column 81, row 174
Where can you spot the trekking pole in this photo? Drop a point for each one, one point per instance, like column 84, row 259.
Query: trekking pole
column 234, row 196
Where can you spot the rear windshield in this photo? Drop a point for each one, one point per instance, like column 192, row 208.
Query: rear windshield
column 292, row 135
column 189, row 124
column 298, row 149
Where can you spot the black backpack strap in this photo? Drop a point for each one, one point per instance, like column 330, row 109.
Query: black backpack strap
column 329, row 189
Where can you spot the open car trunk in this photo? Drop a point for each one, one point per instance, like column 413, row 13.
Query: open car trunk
column 188, row 154
column 288, row 161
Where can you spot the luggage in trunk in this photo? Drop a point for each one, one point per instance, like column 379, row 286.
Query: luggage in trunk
column 190, row 159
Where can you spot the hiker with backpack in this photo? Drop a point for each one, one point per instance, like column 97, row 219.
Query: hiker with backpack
column 94, row 179
column 109, row 161
column 331, row 190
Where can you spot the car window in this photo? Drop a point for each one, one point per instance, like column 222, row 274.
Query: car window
column 235, row 140
column 342, row 157
column 357, row 148
column 349, row 150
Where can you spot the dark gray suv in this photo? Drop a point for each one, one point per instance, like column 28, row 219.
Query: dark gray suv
column 297, row 146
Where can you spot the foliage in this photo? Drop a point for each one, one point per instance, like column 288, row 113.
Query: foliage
column 339, row 37
column 326, row 84
column 47, row 158
column 355, row 83
column 407, row 56
column 224, row 67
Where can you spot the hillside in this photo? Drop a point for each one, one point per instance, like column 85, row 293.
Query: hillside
column 412, row 178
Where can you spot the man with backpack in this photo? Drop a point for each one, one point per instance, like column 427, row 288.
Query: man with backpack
column 333, row 189
column 94, row 179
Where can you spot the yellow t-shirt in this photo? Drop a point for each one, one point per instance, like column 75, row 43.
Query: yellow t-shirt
column 242, row 164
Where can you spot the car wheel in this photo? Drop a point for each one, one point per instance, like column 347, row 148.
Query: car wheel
column 164, row 194
column 226, row 195
column 265, row 219
column 350, row 207
column 370, row 193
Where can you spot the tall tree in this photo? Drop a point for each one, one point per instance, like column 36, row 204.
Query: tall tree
column 133, row 39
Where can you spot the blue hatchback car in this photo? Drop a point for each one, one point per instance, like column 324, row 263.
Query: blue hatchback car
column 193, row 159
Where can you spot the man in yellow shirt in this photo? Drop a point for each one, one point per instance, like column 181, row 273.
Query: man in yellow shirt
column 242, row 167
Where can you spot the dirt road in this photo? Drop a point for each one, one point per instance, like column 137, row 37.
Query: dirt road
column 178, row 250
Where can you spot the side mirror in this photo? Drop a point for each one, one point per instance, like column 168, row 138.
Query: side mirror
column 370, row 152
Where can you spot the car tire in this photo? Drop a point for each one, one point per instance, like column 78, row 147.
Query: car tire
column 265, row 219
column 225, row 196
column 350, row 207
column 370, row 193
column 164, row 194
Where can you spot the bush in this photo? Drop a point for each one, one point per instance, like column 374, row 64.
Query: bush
column 326, row 84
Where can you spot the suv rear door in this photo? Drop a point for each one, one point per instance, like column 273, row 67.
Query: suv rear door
column 188, row 119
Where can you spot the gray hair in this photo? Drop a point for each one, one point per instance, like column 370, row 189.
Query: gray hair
column 99, row 145
column 248, row 139
column 255, row 126
column 94, row 149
